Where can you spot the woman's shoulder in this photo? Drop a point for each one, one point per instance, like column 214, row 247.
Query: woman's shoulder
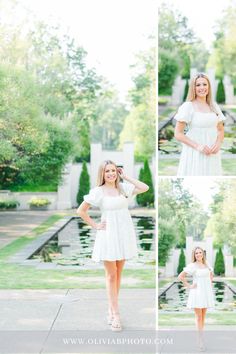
column 185, row 112
column 94, row 196
column 96, row 189
column 190, row 268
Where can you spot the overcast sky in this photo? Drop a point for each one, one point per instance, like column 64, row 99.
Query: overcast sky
column 202, row 15
column 203, row 188
column 112, row 31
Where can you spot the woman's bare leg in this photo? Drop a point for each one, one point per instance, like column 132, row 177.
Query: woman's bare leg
column 119, row 267
column 199, row 324
column 198, row 317
column 111, row 284
column 204, row 310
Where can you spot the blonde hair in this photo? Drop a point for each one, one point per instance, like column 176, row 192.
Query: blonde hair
column 192, row 91
column 101, row 173
column 203, row 252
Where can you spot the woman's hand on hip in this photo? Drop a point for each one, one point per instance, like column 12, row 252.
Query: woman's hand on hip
column 193, row 286
column 101, row 226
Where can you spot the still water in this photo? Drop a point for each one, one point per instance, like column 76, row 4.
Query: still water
column 74, row 243
column 175, row 298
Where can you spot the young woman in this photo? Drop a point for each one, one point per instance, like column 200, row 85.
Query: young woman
column 201, row 293
column 204, row 120
column 115, row 239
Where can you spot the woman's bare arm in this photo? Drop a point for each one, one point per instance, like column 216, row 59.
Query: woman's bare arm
column 82, row 211
column 220, row 137
column 180, row 136
column 140, row 187
column 182, row 277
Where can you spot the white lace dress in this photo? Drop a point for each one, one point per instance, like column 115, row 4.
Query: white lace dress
column 202, row 296
column 202, row 129
column 118, row 241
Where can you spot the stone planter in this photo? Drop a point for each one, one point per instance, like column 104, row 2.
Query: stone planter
column 34, row 207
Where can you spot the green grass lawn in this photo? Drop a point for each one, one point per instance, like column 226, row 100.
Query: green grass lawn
column 164, row 282
column 187, row 319
column 22, row 241
column 229, row 167
column 26, row 277
column 13, row 276
column 168, row 167
column 232, row 281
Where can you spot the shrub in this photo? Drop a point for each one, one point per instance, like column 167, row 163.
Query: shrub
column 186, row 90
column 182, row 261
column 162, row 101
column 39, row 202
column 84, row 184
column 168, row 70
column 146, row 199
column 8, row 204
column 220, row 95
column 166, row 239
column 219, row 268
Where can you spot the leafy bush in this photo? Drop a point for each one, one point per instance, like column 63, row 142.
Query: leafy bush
column 8, row 204
column 168, row 69
column 39, row 202
column 220, row 95
column 186, row 90
column 168, row 132
column 147, row 198
column 219, row 268
column 182, row 261
column 84, row 184
column 166, row 239
column 162, row 101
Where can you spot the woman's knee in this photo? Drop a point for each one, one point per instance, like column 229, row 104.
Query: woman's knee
column 111, row 277
column 199, row 316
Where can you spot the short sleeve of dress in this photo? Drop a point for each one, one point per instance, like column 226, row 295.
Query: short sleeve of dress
column 128, row 189
column 184, row 113
column 94, row 197
column 189, row 269
column 209, row 267
column 220, row 115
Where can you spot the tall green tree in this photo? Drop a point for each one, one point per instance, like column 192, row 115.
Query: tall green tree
column 224, row 46
column 182, row 261
column 84, row 184
column 222, row 224
column 179, row 48
column 219, row 268
column 139, row 125
column 220, row 94
column 146, row 199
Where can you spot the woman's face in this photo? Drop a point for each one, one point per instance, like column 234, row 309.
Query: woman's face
column 110, row 173
column 198, row 254
column 201, row 87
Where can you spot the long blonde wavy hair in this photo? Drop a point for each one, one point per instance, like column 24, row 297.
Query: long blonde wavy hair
column 101, row 173
column 192, row 91
column 203, row 252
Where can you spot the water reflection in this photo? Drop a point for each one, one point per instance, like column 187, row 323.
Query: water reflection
column 76, row 241
column 175, row 298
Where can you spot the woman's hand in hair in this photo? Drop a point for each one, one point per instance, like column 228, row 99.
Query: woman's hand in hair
column 121, row 172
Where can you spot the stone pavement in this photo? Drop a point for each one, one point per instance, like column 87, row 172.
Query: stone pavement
column 73, row 309
column 44, row 312
column 14, row 224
